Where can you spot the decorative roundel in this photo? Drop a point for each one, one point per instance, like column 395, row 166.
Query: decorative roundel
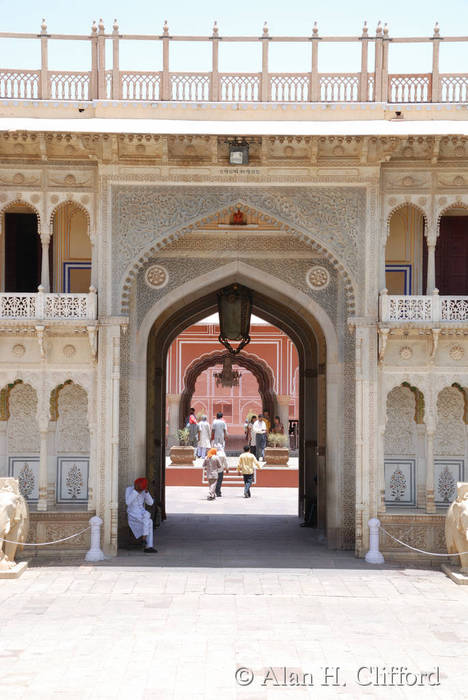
column 318, row 277
column 406, row 353
column 69, row 350
column 456, row 352
column 156, row 276
column 18, row 350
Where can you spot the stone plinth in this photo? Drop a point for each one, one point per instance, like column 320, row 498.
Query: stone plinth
column 276, row 456
column 16, row 571
column 182, row 455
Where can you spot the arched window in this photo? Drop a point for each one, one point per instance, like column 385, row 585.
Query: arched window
column 405, row 253
column 71, row 249
column 452, row 253
column 23, row 250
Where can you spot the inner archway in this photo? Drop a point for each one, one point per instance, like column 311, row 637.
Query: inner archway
column 255, row 365
column 305, row 333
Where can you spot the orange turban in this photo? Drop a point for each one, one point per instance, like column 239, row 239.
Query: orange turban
column 141, row 483
column 212, row 452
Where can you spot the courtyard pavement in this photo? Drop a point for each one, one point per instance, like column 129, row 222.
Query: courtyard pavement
column 236, row 588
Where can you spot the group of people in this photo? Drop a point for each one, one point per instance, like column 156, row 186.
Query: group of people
column 202, row 435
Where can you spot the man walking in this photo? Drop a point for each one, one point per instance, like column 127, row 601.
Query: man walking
column 223, row 469
column 212, row 466
column 246, row 467
column 219, row 430
column 260, row 430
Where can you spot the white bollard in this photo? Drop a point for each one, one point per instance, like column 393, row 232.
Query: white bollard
column 374, row 556
column 95, row 552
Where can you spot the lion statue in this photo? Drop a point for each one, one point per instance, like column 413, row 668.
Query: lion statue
column 14, row 521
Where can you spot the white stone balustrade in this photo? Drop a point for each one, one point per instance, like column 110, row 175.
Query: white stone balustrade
column 426, row 308
column 212, row 86
column 42, row 306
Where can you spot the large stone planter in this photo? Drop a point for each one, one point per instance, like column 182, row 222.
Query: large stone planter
column 276, row 456
column 182, row 455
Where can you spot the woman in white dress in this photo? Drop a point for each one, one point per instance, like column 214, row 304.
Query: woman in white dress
column 204, row 437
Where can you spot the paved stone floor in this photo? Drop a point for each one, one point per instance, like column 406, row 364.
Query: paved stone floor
column 236, row 585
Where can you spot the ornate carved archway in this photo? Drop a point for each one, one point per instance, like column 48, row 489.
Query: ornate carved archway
column 258, row 367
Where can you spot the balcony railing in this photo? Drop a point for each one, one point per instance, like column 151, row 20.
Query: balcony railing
column 41, row 306
column 260, row 85
column 426, row 308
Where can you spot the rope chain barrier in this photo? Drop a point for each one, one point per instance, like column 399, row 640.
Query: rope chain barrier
column 43, row 544
column 422, row 551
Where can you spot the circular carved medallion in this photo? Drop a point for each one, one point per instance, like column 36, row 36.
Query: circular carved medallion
column 318, row 277
column 456, row 352
column 156, row 277
column 69, row 350
column 18, row 350
column 406, row 353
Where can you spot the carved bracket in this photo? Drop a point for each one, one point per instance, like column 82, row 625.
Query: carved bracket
column 383, row 337
column 93, row 341
column 435, row 342
column 40, row 332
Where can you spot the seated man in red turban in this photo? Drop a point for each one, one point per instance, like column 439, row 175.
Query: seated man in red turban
column 139, row 519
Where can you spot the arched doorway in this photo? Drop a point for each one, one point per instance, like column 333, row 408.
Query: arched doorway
column 259, row 369
column 23, row 249
column 304, row 337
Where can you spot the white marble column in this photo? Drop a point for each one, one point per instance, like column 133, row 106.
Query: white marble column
column 431, row 282
column 421, row 485
column 94, row 263
column 52, row 465
column 380, row 477
column 173, row 406
column 283, row 402
column 43, row 464
column 45, row 274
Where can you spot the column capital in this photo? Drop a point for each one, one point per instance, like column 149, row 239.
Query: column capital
column 283, row 399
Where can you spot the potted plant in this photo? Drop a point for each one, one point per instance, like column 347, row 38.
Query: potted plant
column 277, row 452
column 183, row 453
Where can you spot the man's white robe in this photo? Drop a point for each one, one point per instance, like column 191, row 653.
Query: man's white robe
column 139, row 519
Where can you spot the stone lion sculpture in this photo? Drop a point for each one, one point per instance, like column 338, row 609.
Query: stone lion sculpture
column 14, row 521
column 456, row 526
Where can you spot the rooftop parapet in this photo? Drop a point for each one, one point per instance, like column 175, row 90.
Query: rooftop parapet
column 260, row 86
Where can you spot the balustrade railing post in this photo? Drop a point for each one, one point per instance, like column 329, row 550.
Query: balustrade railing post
column 436, row 306
column 314, row 80
column 214, row 82
column 435, row 64
column 40, row 303
column 116, row 89
column 44, row 82
column 383, row 304
column 165, row 82
column 378, row 64
column 93, row 88
column 101, row 62
column 265, row 91
column 384, row 84
column 92, row 303
column 364, row 79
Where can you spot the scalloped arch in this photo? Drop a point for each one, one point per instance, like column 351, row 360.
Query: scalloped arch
column 151, row 250
column 453, row 205
column 23, row 203
column 397, row 207
column 75, row 204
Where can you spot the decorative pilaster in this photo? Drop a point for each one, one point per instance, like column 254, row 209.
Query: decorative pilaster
column 430, row 506
column 214, row 86
column 115, row 413
column 265, row 84
column 44, row 84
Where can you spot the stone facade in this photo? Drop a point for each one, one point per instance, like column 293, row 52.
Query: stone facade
column 392, row 393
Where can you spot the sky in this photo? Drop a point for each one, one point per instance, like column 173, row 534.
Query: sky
column 242, row 17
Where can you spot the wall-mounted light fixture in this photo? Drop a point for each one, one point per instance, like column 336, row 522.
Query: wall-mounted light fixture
column 238, row 151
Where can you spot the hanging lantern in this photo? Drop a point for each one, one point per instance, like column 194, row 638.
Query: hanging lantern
column 234, row 308
column 228, row 377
